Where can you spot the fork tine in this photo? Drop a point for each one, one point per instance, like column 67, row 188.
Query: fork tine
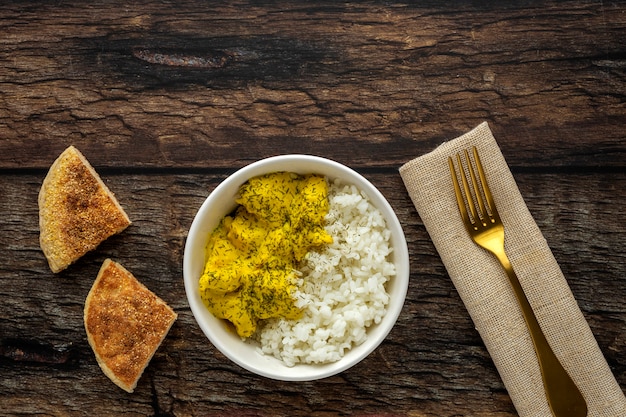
column 475, row 196
column 468, row 193
column 493, row 213
column 482, row 216
column 457, row 191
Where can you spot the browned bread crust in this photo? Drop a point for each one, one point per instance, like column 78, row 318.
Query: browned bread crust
column 76, row 210
column 125, row 324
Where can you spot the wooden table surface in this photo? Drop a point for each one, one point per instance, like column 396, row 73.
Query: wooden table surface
column 167, row 98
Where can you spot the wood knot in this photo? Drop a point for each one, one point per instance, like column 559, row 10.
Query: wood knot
column 32, row 352
column 206, row 60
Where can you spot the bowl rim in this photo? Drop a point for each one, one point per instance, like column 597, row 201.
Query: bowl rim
column 199, row 231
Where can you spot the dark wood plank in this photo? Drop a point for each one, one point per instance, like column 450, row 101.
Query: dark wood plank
column 196, row 84
column 432, row 364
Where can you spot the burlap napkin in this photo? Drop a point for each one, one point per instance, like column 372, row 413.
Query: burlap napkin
column 485, row 289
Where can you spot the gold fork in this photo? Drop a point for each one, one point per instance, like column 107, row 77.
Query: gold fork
column 485, row 228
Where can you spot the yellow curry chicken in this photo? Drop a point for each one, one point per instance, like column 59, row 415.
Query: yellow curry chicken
column 252, row 255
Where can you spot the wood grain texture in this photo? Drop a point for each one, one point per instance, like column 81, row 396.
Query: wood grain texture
column 389, row 79
column 166, row 99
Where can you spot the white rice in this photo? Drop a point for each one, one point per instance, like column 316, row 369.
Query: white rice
column 342, row 289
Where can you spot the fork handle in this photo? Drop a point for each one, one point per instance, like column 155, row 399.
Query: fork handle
column 564, row 397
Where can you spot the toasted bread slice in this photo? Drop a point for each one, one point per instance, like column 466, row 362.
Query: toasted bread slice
column 125, row 324
column 77, row 211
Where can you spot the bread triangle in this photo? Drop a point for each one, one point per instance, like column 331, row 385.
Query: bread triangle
column 125, row 324
column 77, row 211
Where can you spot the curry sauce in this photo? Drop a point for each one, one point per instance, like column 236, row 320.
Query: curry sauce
column 252, row 256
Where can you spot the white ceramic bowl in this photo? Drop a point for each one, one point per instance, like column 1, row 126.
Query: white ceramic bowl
column 221, row 202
